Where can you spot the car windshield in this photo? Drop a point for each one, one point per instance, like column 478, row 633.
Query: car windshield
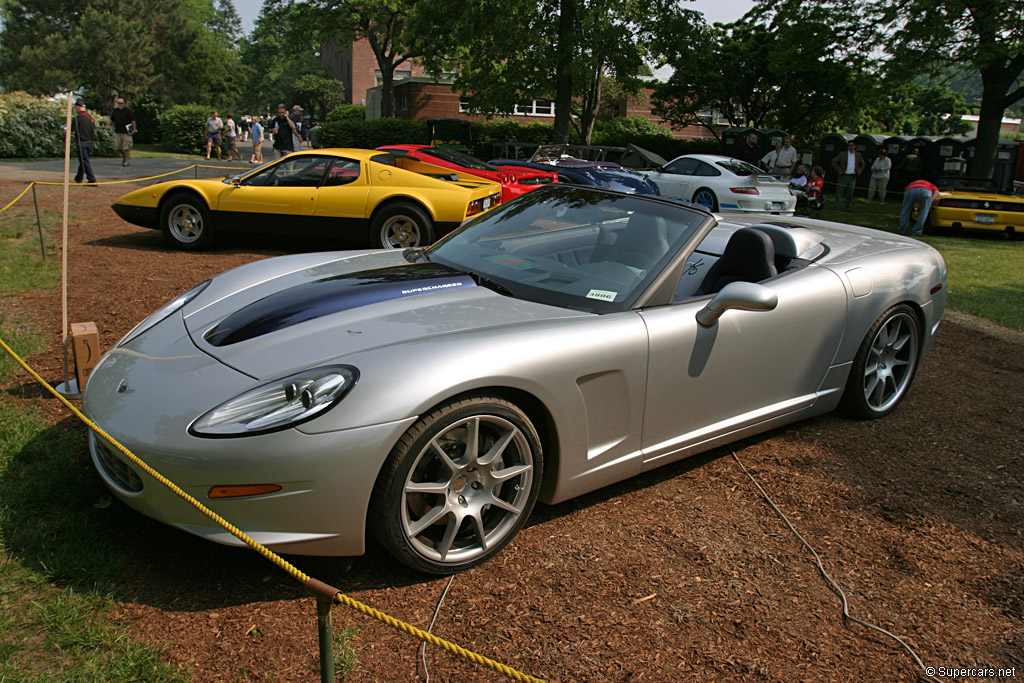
column 459, row 158
column 739, row 167
column 573, row 247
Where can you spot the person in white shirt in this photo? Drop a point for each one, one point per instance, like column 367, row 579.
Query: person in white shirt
column 880, row 168
column 769, row 159
column 785, row 160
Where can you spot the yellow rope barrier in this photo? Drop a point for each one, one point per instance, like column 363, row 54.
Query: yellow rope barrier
column 15, row 200
column 313, row 584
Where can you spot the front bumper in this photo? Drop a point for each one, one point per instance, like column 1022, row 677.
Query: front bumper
column 138, row 215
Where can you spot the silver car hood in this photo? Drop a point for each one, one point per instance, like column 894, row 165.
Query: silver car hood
column 278, row 315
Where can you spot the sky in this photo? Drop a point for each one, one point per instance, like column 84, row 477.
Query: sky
column 713, row 10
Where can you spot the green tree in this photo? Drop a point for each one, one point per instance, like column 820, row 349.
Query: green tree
column 112, row 47
column 284, row 66
column 983, row 35
column 382, row 23
column 511, row 51
column 786, row 67
column 910, row 108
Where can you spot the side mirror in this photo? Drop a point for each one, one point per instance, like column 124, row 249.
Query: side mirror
column 744, row 296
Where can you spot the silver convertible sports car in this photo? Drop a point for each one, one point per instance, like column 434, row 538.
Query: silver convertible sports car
column 569, row 339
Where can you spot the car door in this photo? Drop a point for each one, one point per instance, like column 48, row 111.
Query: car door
column 262, row 200
column 675, row 178
column 341, row 205
column 748, row 367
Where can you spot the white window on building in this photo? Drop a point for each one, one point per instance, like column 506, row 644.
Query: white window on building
column 535, row 108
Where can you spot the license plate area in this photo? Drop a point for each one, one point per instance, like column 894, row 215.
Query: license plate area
column 776, row 206
column 984, row 218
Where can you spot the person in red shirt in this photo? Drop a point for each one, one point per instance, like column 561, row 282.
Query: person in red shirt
column 816, row 183
column 922, row 193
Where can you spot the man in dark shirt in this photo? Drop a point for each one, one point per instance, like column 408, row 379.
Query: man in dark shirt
column 750, row 152
column 283, row 128
column 124, row 127
column 84, row 128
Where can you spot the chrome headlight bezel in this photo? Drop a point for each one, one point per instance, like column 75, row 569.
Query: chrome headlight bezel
column 277, row 405
column 164, row 311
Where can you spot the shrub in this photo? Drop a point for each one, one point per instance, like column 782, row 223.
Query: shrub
column 371, row 134
column 31, row 127
column 347, row 112
column 183, row 128
column 619, row 131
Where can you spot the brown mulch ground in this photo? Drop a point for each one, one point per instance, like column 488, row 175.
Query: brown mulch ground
column 684, row 573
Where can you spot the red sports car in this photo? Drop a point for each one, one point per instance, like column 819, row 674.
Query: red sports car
column 514, row 181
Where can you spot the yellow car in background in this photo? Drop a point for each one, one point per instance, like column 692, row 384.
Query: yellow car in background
column 966, row 203
column 352, row 197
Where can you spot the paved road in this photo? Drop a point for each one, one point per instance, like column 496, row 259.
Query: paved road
column 111, row 169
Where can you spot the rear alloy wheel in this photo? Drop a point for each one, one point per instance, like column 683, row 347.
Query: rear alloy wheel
column 186, row 222
column 402, row 225
column 706, row 197
column 458, row 486
column 885, row 364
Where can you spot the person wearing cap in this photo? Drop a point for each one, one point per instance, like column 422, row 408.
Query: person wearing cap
column 124, row 127
column 283, row 129
column 213, row 126
column 299, row 135
column 84, row 128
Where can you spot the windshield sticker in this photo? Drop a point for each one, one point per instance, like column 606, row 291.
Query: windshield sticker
column 601, row 294
column 433, row 288
column 510, row 262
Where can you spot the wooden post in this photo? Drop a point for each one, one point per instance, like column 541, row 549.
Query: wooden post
column 39, row 223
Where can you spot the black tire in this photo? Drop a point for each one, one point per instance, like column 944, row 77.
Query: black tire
column 401, row 225
column 701, row 196
column 885, row 364
column 467, row 505
column 186, row 222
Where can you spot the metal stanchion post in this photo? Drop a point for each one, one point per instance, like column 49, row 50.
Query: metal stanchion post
column 326, row 635
column 39, row 223
column 195, row 169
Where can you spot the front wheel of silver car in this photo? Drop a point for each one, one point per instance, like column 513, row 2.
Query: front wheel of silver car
column 458, row 486
column 885, row 364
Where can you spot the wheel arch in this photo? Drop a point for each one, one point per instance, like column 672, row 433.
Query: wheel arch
column 398, row 199
column 185, row 190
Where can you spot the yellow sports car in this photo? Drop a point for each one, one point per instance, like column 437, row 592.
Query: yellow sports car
column 348, row 196
column 975, row 204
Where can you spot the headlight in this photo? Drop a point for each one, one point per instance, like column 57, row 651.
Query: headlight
column 163, row 312
column 278, row 405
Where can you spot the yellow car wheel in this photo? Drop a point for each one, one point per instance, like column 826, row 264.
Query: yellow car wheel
column 402, row 225
column 186, row 222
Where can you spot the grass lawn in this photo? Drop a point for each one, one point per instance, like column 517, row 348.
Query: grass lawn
column 986, row 271
column 157, row 152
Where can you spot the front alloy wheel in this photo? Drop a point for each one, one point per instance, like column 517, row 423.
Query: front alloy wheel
column 458, row 486
column 885, row 364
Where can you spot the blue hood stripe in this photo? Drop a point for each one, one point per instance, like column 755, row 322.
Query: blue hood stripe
column 312, row 300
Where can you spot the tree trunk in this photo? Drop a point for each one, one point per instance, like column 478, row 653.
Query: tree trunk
column 989, row 122
column 563, row 69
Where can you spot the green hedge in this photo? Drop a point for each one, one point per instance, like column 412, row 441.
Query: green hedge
column 30, row 128
column 183, row 128
column 347, row 112
column 371, row 134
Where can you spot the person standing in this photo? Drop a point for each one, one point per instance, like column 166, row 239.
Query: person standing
column 124, row 128
column 750, row 152
column 848, row 165
column 283, row 129
column 213, row 127
column 769, row 159
column 912, row 166
column 257, row 141
column 922, row 193
column 231, row 138
column 299, row 133
column 880, row 168
column 84, row 128
column 785, row 160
